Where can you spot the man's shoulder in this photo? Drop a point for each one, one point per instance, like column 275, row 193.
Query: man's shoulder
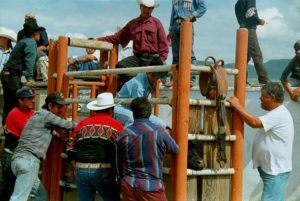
column 25, row 42
column 106, row 121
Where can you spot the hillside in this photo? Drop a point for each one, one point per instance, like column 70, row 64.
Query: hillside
column 274, row 68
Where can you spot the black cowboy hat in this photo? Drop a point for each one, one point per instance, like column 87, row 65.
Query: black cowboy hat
column 31, row 27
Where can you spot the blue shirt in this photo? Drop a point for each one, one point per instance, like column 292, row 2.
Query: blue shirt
column 182, row 9
column 141, row 149
column 138, row 86
column 4, row 55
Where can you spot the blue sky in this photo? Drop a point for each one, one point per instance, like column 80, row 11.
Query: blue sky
column 214, row 32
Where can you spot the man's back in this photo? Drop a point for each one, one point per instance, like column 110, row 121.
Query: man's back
column 23, row 56
column 141, row 150
column 246, row 13
column 93, row 139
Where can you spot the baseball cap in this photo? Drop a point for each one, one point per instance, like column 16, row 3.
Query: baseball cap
column 24, row 93
column 55, row 97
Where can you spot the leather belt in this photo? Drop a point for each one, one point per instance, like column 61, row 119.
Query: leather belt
column 178, row 21
column 93, row 165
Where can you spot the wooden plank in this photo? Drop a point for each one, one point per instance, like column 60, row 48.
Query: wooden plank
column 195, row 126
column 215, row 188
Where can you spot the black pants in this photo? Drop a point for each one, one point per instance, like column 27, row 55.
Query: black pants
column 10, row 83
column 137, row 61
column 8, row 178
column 255, row 53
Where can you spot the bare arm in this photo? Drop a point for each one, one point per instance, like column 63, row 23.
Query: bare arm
column 250, row 119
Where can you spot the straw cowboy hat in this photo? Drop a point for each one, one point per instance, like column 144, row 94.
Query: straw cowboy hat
column 147, row 3
column 8, row 33
column 104, row 101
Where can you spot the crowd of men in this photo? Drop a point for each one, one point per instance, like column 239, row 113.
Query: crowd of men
column 120, row 148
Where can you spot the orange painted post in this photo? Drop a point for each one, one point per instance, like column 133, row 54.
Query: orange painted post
column 157, row 94
column 52, row 66
column 103, row 58
column 61, row 60
column 237, row 150
column 47, row 170
column 93, row 95
column 112, row 80
column 57, row 146
column 183, row 110
column 103, row 63
column 174, row 123
column 74, row 105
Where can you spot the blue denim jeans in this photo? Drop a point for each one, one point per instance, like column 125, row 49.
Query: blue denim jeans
column 26, row 169
column 274, row 185
column 175, row 32
column 103, row 180
column 8, row 181
column 125, row 116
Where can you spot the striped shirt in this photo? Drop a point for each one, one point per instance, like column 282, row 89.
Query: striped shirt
column 141, row 150
column 37, row 134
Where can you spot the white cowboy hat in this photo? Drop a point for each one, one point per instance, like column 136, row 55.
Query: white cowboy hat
column 104, row 101
column 147, row 3
column 8, row 33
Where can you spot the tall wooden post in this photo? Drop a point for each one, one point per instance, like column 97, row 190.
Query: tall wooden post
column 52, row 66
column 50, row 88
column 183, row 110
column 174, row 131
column 74, row 105
column 52, row 176
column 157, row 93
column 61, row 60
column 238, row 126
column 112, row 80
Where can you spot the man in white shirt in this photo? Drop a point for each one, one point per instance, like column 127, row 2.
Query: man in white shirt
column 272, row 148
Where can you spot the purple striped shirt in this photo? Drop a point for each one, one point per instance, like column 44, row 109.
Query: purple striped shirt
column 141, row 149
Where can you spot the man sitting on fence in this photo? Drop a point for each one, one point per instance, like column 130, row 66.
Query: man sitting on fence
column 150, row 44
column 89, row 61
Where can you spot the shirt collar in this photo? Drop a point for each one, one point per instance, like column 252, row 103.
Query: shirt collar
column 6, row 51
column 147, row 83
column 143, row 120
column 149, row 19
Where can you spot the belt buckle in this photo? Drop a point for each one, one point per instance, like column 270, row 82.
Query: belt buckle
column 178, row 21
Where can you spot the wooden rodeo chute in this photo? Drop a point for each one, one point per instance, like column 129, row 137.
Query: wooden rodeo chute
column 214, row 86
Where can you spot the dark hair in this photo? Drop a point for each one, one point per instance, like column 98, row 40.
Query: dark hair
column 274, row 89
column 46, row 107
column 107, row 110
column 297, row 45
column 141, row 108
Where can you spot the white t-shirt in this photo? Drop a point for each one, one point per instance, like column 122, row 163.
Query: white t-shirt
column 272, row 148
column 97, row 55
